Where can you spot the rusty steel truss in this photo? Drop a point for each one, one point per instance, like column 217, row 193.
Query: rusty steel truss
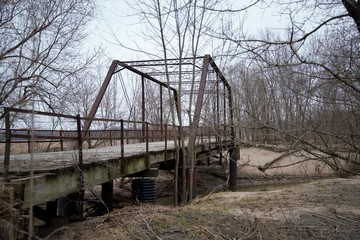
column 198, row 77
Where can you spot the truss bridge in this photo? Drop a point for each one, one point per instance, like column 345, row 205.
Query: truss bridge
column 170, row 114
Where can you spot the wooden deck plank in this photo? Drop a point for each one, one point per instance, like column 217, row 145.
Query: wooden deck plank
column 63, row 176
column 48, row 161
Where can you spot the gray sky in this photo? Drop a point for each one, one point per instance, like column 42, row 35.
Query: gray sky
column 116, row 18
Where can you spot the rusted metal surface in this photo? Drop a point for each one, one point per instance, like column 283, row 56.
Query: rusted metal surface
column 144, row 76
column 137, row 138
column 100, row 95
column 56, row 173
column 79, row 140
column 143, row 103
column 57, row 159
column 199, row 101
column 7, row 145
column 223, row 114
column 234, row 151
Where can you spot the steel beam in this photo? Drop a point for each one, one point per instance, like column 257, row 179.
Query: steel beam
column 100, row 95
column 235, row 151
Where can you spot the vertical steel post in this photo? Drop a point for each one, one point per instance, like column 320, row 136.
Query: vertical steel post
column 198, row 106
column 227, row 137
column 234, row 151
column 147, row 145
column 122, row 160
column 79, row 139
column 161, row 113
column 110, row 135
column 194, row 125
column 166, row 129
column 7, row 145
column 79, row 196
column 29, row 141
column 143, row 105
column 89, row 135
column 217, row 128
column 122, row 137
column 61, row 140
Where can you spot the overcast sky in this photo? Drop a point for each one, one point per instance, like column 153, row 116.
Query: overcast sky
column 116, row 17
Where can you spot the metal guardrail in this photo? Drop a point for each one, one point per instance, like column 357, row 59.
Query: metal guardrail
column 148, row 133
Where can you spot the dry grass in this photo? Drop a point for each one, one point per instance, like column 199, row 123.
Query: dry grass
column 324, row 209
column 8, row 214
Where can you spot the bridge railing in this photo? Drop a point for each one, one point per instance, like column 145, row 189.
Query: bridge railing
column 120, row 132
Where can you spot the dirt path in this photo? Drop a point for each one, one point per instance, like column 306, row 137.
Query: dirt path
column 323, row 209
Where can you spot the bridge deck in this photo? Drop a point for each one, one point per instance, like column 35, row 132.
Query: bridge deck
column 57, row 174
column 48, row 161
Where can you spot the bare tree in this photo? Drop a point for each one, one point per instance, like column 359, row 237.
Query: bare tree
column 40, row 49
column 301, row 88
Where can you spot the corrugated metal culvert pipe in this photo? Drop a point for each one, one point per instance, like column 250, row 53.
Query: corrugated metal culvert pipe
column 143, row 190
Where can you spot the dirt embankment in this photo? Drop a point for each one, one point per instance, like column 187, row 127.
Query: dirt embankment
column 323, row 209
column 319, row 209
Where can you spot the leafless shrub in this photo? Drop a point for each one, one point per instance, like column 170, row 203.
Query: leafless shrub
column 8, row 214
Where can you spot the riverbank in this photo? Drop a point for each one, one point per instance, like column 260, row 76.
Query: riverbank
column 290, row 199
column 322, row 209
